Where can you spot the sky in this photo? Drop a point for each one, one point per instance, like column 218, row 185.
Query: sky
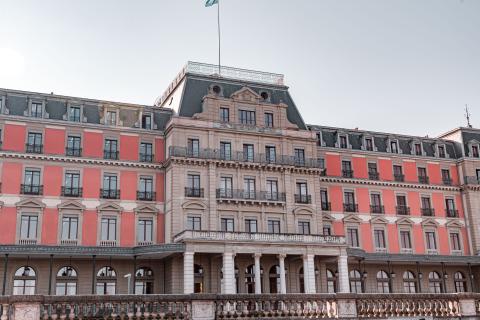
column 401, row 66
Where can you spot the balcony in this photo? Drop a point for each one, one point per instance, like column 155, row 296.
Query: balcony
column 377, row 209
column 447, row 181
column 146, row 195
column 34, row 148
column 403, row 210
column 27, row 242
column 109, row 193
column 243, row 157
column 423, row 180
column 194, row 192
column 30, row 189
column 110, row 155
column 303, row 198
column 399, row 177
column 373, row 176
column 145, row 157
column 472, row 180
column 428, row 212
column 347, row 173
column 451, row 213
column 108, row 243
column 69, row 242
column 235, row 194
column 144, row 243
column 350, row 207
column 72, row 192
column 326, row 206
column 73, row 152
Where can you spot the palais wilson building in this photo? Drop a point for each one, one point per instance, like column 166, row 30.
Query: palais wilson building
column 221, row 187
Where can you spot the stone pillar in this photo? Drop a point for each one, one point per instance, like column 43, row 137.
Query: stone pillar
column 306, row 283
column 343, row 285
column 309, row 273
column 188, row 276
column 258, row 276
column 228, row 273
column 281, row 264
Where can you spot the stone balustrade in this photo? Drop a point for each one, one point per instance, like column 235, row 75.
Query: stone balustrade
column 242, row 306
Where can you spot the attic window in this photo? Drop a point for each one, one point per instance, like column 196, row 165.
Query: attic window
column 264, row 95
column 216, row 89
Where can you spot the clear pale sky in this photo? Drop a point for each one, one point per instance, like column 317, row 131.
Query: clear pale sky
column 405, row 66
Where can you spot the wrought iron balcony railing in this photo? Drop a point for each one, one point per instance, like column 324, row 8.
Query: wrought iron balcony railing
column 326, row 206
column 399, row 177
column 347, row 173
column 146, row 195
column 350, row 207
column 72, row 191
column 236, row 194
column 377, row 209
column 303, row 198
column 447, row 181
column 423, row 180
column 451, row 213
column 110, row 155
column 428, row 212
column 34, row 148
column 146, row 157
column 403, row 210
column 373, row 175
column 110, row 193
column 31, row 189
column 194, row 192
column 73, row 152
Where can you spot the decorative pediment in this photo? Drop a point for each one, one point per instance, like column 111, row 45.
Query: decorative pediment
column 109, row 206
column 146, row 208
column 194, row 205
column 405, row 221
column 246, row 94
column 454, row 224
column 327, row 217
column 352, row 218
column 71, row 205
column 378, row 220
column 303, row 210
column 30, row 203
column 429, row 223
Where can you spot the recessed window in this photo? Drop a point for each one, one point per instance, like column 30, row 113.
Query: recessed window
column 343, row 142
column 394, row 146
column 36, row 110
column 455, row 243
column 303, row 227
column 74, row 114
column 216, row 89
column 227, row 224
column 352, row 237
column 28, row 228
column 24, row 281
column 327, row 230
column 106, row 281
column 193, row 148
column 111, row 119
column 110, row 150
column 273, row 226
column 224, row 114
column 379, row 238
column 441, row 151
column 69, row 228
column 264, row 95
column 418, row 149
column 225, row 150
column 74, row 146
column 405, row 240
column 194, row 223
column 247, row 117
column 475, row 152
column 66, row 282
column 431, row 240
column 368, row 144
column 109, row 229
column 145, row 231
column 147, row 121
column 146, row 152
column 269, row 120
column 251, row 225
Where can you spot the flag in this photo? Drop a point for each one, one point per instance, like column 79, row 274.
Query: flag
column 209, row 3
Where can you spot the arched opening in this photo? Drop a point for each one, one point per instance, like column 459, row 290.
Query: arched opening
column 144, row 281
column 66, row 282
column 460, row 282
column 383, row 282
column 198, row 278
column 274, row 279
column 24, row 281
column 331, row 282
column 435, row 282
column 250, row 278
column 106, row 281
column 409, row 282
column 355, row 281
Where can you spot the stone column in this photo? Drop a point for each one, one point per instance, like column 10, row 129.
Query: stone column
column 309, row 273
column 343, row 285
column 306, row 282
column 188, row 276
column 281, row 264
column 258, row 276
column 228, row 273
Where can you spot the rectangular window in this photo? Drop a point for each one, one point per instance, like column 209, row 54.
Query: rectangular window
column 34, row 142
column 147, row 121
column 274, row 226
column 225, row 151
column 324, row 200
column 28, row 227
column 193, row 147
column 146, row 152
column 352, row 237
column 475, row 152
column 349, row 197
column 224, row 115
column 226, row 189
column 347, row 171
column 110, row 185
column 269, row 120
column 247, row 117
column 272, row 190
column 270, row 154
column 368, row 144
column 194, row 223
column 398, row 172
column 227, row 225
column 405, row 240
column 74, row 114
column 455, row 241
column 422, row 175
column 450, row 206
column 109, row 229
column 446, row 177
column 74, row 146
column 303, row 227
column 248, row 152
column 36, row 110
column 31, row 182
column 343, row 142
column 394, row 146
column 372, row 171
column 327, row 230
column 401, row 201
column 72, row 184
column 193, row 186
column 145, row 230
column 376, row 203
column 69, row 228
column 299, row 156
column 441, row 151
column 111, row 119
column 379, row 237
column 302, row 189
column 418, row 149
column 251, row 225
column 431, row 240
column 110, row 149
column 249, row 188
column 145, row 188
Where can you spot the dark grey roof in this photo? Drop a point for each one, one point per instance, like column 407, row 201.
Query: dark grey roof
column 469, row 136
column 196, row 87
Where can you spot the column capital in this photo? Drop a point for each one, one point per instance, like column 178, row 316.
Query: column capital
column 282, row 256
column 188, row 253
column 308, row 256
column 257, row 255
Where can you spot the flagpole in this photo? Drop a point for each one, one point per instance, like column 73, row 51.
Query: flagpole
column 218, row 25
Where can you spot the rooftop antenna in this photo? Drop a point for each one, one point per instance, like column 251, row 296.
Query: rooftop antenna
column 467, row 116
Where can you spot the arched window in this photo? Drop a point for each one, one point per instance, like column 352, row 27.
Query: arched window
column 409, row 283
column 250, row 278
column 355, row 281
column 331, row 281
column 66, row 284
column 274, row 279
column 106, row 281
column 198, row 276
column 144, row 281
column 383, row 282
column 435, row 282
column 460, row 282
column 24, row 281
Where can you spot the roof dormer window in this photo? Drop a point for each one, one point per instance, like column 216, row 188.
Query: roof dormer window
column 441, row 151
column 111, row 118
column 418, row 149
column 474, row 149
column 265, row 96
column 475, row 152
column 343, row 142
column 36, row 109
column 394, row 146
